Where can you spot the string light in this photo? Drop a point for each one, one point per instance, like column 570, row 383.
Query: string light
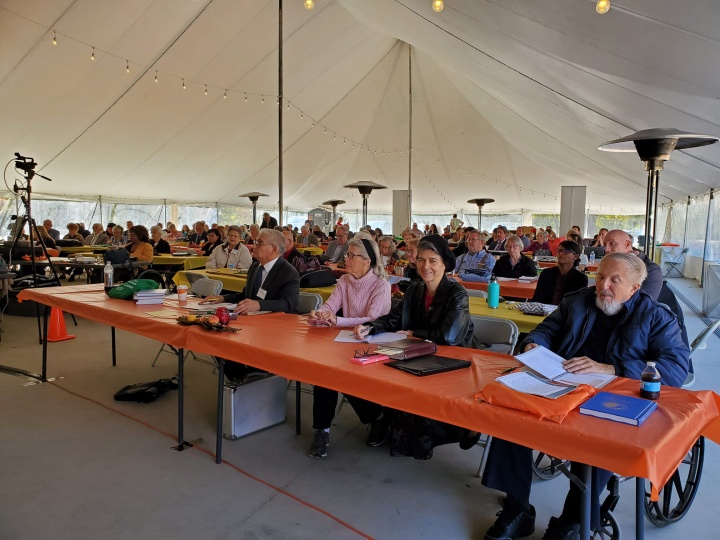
column 156, row 76
column 54, row 37
column 92, row 55
column 309, row 5
column 602, row 6
column 438, row 5
column 206, row 89
column 262, row 100
column 183, row 84
column 225, row 96
column 245, row 97
column 127, row 66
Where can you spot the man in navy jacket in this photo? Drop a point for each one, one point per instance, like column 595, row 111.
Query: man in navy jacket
column 612, row 328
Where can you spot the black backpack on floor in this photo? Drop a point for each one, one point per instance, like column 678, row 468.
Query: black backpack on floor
column 146, row 392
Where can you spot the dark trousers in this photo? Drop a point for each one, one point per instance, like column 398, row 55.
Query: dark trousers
column 325, row 401
column 509, row 469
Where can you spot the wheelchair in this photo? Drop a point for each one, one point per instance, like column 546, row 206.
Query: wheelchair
column 674, row 499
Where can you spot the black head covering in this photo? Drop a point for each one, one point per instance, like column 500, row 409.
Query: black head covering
column 572, row 246
column 442, row 247
column 370, row 251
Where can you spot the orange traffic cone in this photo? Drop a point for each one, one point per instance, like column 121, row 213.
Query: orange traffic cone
column 56, row 326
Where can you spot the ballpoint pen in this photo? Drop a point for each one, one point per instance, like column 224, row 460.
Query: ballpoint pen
column 509, row 370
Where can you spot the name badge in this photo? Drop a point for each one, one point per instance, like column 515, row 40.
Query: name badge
column 261, row 293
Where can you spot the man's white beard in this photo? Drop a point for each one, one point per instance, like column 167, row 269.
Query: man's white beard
column 608, row 305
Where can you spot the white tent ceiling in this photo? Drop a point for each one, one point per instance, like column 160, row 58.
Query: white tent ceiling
column 511, row 98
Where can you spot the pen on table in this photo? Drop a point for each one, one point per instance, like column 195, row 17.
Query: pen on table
column 509, row 370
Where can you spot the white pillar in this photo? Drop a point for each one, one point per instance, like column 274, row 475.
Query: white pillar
column 572, row 208
column 401, row 211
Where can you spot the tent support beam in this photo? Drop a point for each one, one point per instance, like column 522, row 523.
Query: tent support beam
column 280, row 112
column 410, row 141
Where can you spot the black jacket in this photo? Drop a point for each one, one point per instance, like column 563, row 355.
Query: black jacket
column 524, row 267
column 447, row 323
column 575, row 281
column 161, row 247
column 282, row 286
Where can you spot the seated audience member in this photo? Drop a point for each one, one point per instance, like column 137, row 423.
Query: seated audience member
column 388, row 255
column 411, row 269
column 253, row 233
column 186, row 232
column 540, row 243
column 306, row 238
column 599, row 240
column 272, row 284
column 462, row 246
column 173, row 233
column 433, row 229
column 618, row 241
column 128, row 225
column 118, row 238
column 199, row 236
column 45, row 237
column 109, row 230
column 435, row 309
column 223, row 233
column 363, row 294
column 525, row 240
column 591, row 330
column 290, row 252
column 407, row 235
column 555, row 282
column 139, row 246
column 417, row 233
column 231, row 254
column 214, row 240
column 159, row 245
column 514, row 264
column 447, row 235
column 337, row 248
column 73, row 233
column 500, row 239
column 477, row 264
column 581, row 263
column 98, row 236
column 82, row 230
column 317, row 231
column 54, row 233
column 576, row 229
column 243, row 233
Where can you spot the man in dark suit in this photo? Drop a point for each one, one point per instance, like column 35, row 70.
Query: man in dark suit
column 337, row 248
column 54, row 233
column 307, row 238
column 268, row 222
column 272, row 284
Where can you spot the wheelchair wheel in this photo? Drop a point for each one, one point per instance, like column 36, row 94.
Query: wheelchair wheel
column 609, row 529
column 547, row 467
column 677, row 495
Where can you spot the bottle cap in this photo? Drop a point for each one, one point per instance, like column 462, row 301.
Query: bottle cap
column 651, row 364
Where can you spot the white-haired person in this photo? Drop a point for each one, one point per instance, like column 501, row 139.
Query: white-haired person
column 231, row 254
column 514, row 264
column 363, row 294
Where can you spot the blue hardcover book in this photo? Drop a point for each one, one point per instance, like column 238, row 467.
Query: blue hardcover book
column 625, row 409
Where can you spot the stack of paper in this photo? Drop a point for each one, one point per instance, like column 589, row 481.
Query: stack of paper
column 150, row 296
column 527, row 279
column 550, row 365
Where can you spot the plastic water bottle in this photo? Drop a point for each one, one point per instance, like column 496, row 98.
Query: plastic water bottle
column 650, row 382
column 591, row 258
column 108, row 272
column 493, row 299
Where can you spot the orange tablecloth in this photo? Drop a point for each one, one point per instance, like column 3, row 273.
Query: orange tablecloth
column 550, row 264
column 511, row 289
column 652, row 451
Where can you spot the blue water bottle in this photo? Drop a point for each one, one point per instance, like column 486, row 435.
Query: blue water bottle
column 493, row 299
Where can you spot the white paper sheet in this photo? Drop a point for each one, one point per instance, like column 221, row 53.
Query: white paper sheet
column 346, row 336
column 529, row 383
column 549, row 365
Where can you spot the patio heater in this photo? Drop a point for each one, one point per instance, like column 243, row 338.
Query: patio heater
column 654, row 147
column 480, row 203
column 334, row 203
column 365, row 187
column 254, row 196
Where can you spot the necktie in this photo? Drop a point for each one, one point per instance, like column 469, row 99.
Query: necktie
column 258, row 280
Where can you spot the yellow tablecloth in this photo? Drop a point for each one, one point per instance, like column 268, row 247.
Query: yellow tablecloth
column 188, row 263
column 525, row 323
column 236, row 282
column 312, row 251
column 81, row 249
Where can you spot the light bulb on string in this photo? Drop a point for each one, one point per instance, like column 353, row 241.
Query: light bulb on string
column 302, row 115
column 309, row 5
column 262, row 100
column 438, row 5
column 92, row 54
column 183, row 84
column 127, row 66
column 54, row 42
column 156, row 76
column 288, row 106
column 225, row 95
column 206, row 89
column 245, row 97
column 602, row 6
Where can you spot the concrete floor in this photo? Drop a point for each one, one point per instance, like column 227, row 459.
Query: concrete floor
column 74, row 464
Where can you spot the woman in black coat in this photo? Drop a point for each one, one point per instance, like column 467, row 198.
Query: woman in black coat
column 434, row 309
column 514, row 264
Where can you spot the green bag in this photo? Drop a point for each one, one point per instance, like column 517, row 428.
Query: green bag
column 127, row 289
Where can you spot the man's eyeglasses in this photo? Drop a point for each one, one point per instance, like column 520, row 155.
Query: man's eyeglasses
column 351, row 256
column 259, row 243
column 362, row 353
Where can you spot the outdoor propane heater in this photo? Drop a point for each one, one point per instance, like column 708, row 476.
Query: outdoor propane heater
column 365, row 187
column 334, row 203
column 654, row 146
column 254, row 196
column 480, row 203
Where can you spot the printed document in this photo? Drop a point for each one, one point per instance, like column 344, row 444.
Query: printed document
column 548, row 364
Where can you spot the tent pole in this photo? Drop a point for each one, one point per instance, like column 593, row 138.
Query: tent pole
column 280, row 111
column 410, row 119
column 705, row 243
column 687, row 211
column 100, row 201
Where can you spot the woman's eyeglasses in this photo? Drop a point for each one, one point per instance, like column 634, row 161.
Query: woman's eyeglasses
column 351, row 256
